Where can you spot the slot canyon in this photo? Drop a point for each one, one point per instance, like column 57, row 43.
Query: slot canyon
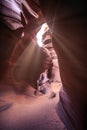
column 43, row 66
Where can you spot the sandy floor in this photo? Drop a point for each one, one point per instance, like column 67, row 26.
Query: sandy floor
column 30, row 112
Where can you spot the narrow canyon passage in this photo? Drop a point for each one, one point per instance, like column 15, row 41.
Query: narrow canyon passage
column 38, row 40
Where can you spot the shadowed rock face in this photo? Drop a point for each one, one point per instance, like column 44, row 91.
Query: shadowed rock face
column 68, row 21
column 21, row 60
column 12, row 22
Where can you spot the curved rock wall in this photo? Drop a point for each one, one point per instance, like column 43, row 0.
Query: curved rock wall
column 17, row 36
column 68, row 22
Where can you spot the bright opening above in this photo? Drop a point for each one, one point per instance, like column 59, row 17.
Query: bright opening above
column 39, row 35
